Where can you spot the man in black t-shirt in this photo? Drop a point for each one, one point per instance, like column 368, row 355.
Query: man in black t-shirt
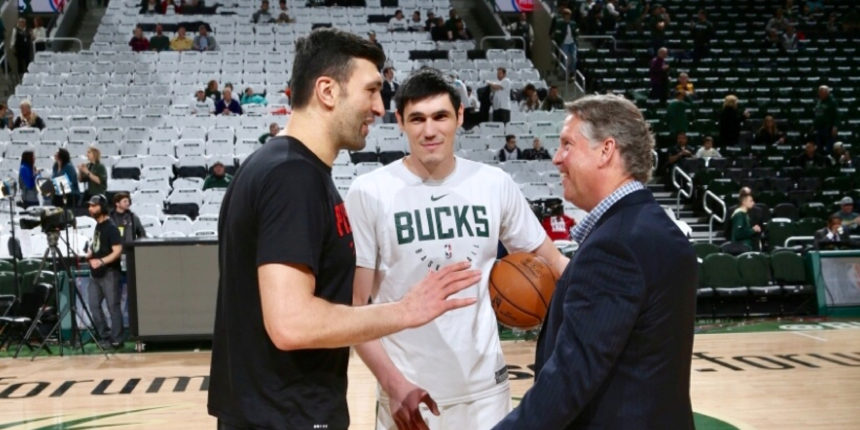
column 104, row 260
column 283, row 322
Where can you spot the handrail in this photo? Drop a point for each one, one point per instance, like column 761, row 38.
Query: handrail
column 612, row 38
column 797, row 239
column 579, row 77
column 713, row 216
column 687, row 193
column 557, row 51
column 3, row 57
column 520, row 38
column 58, row 39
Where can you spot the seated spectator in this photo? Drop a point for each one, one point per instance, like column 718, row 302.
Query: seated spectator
column 274, row 129
column 282, row 7
column 203, row 41
column 510, row 151
column 283, row 18
column 262, row 15
column 840, row 157
column 788, row 41
column 461, row 32
column 772, row 40
column 416, row 23
column 398, row 22
column 676, row 113
column 219, row 178
column 530, row 101
column 684, row 85
column 5, row 116
column 159, row 42
column 227, row 105
column 768, row 133
column 810, row 157
column 472, row 105
column 553, row 100
column 180, row 42
column 832, row 236
column 707, row 150
column 536, row 152
column 777, row 22
column 850, row 219
column 743, row 233
column 680, row 151
column 731, row 121
column 430, row 22
column 93, row 173
column 212, row 90
column 27, row 175
column 28, row 118
column 138, row 43
column 250, row 97
column 153, row 6
column 371, row 36
column 451, row 23
column 202, row 104
column 557, row 225
column 439, row 32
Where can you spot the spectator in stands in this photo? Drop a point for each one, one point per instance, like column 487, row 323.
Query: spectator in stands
column 129, row 225
column 439, row 32
column 22, row 43
column 553, row 100
column 833, row 26
column 398, row 22
column 282, row 6
column 501, row 96
column 27, row 118
column 833, row 235
column 772, row 40
column 461, row 32
column 564, row 35
column 731, row 121
column 38, row 32
column 810, row 157
column 840, row 157
column 93, row 173
column 826, row 117
column 181, row 42
column 5, row 116
column 211, row 91
column 284, row 19
column 777, row 22
column 138, row 42
column 510, row 151
column 788, row 41
column 389, row 87
column 707, row 150
column 676, row 113
column 159, row 42
column 634, row 11
column 680, row 151
column 685, row 85
column 416, row 23
column 371, row 36
column 769, row 133
column 471, row 109
column 274, row 129
column 227, row 105
column 153, row 7
column 557, row 225
column 202, row 104
column 703, row 32
column 522, row 28
column 203, row 41
column 63, row 167
column 262, row 15
column 451, row 23
column 659, row 75
column 27, row 175
column 252, row 98
column 530, row 101
column 743, row 233
column 850, row 219
column 536, row 152
column 219, row 178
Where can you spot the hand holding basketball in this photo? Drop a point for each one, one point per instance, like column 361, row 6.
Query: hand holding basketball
column 429, row 298
column 521, row 286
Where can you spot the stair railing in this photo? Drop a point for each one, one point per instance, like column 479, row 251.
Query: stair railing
column 684, row 187
column 713, row 214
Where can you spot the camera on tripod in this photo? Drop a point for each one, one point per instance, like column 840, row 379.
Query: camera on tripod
column 49, row 217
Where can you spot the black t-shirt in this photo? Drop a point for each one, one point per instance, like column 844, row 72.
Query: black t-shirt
column 106, row 235
column 282, row 207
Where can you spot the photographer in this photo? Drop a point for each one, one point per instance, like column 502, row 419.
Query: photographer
column 104, row 260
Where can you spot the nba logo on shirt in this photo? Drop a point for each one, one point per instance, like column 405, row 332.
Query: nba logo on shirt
column 448, row 252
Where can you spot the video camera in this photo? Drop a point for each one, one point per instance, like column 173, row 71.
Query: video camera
column 49, row 217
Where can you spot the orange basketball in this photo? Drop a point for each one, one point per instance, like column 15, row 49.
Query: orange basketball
column 521, row 286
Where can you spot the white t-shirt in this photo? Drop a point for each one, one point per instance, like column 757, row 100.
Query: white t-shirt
column 502, row 96
column 403, row 228
column 395, row 24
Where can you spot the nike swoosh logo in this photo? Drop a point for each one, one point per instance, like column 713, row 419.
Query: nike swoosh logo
column 434, row 198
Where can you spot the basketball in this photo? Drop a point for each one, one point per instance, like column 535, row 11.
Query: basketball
column 521, row 285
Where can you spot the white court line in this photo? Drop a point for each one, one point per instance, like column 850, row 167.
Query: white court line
column 800, row 333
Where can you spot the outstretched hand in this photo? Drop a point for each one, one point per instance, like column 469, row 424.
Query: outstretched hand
column 429, row 298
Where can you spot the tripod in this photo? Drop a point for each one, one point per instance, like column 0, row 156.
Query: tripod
column 57, row 258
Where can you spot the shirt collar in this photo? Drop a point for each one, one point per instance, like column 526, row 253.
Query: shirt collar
column 583, row 228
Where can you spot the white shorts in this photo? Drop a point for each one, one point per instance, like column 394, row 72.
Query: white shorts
column 481, row 414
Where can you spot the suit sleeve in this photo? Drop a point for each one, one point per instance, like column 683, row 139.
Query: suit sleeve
column 605, row 292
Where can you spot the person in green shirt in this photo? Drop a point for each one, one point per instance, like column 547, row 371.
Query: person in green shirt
column 825, row 118
column 159, row 42
column 219, row 177
column 273, row 131
column 676, row 113
column 743, row 232
column 94, row 173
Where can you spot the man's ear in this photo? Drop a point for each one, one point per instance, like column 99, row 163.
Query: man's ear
column 326, row 91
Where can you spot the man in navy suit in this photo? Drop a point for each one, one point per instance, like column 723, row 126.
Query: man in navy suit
column 615, row 349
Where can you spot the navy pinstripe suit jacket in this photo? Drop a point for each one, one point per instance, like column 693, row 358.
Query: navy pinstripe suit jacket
column 615, row 349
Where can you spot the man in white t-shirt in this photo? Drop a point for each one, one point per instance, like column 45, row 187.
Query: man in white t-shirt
column 413, row 216
column 398, row 22
column 501, row 96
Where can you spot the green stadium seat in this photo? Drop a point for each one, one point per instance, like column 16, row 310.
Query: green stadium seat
column 765, row 296
column 6, row 265
column 28, row 265
column 778, row 232
column 789, row 271
column 705, row 249
column 721, row 274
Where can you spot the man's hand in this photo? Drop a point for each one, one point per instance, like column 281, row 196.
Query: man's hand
column 83, row 168
column 429, row 299
column 756, row 228
column 404, row 404
column 95, row 263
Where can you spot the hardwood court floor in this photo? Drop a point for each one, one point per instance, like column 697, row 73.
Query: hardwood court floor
column 771, row 380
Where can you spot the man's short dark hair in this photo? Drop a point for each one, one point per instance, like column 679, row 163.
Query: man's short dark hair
column 327, row 52
column 425, row 83
column 509, row 137
column 832, row 218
